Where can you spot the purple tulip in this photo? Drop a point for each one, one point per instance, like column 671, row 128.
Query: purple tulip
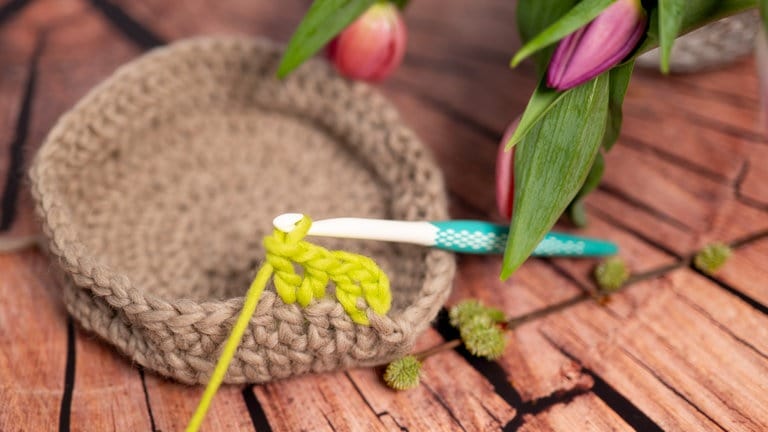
column 598, row 46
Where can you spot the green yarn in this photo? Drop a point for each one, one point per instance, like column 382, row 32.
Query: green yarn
column 359, row 281
column 356, row 277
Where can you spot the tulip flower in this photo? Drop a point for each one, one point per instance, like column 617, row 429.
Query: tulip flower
column 505, row 174
column 372, row 47
column 598, row 46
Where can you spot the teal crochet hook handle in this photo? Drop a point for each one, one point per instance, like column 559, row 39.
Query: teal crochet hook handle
column 465, row 236
column 478, row 237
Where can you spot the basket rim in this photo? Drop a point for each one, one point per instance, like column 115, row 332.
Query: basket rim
column 88, row 271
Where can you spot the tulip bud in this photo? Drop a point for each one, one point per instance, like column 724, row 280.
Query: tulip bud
column 598, row 46
column 372, row 47
column 505, row 174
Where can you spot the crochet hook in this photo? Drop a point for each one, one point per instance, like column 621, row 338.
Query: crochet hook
column 464, row 236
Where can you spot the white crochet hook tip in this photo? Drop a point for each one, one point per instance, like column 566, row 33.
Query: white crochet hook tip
column 422, row 233
column 464, row 236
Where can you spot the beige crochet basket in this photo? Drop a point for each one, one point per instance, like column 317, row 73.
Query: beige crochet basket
column 156, row 190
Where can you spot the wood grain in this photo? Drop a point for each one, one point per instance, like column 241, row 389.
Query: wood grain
column 747, row 271
column 453, row 396
column 584, row 413
column 105, row 390
column 172, row 406
column 531, row 364
column 33, row 335
column 677, row 352
column 684, row 350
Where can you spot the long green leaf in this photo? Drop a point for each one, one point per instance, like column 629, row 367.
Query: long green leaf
column 324, row 20
column 697, row 13
column 619, row 81
column 579, row 16
column 617, row 89
column 576, row 209
column 671, row 14
column 533, row 16
column 551, row 164
column 764, row 13
column 542, row 100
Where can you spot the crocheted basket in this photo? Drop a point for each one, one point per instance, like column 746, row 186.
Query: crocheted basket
column 155, row 192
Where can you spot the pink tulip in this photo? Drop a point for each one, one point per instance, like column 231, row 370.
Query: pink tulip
column 372, row 47
column 598, row 46
column 505, row 174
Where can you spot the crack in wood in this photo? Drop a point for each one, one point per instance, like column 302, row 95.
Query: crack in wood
column 721, row 326
column 485, row 408
column 452, row 113
column 146, row 400
column 619, row 194
column 585, row 289
column 757, row 305
column 328, row 421
column 10, row 9
column 661, row 380
column 378, row 415
column 445, row 405
column 617, row 223
column 132, row 29
column 255, row 410
column 69, row 379
column 687, row 164
column 476, row 52
column 394, row 420
column 622, row 406
column 736, row 100
column 15, row 174
column 737, row 184
column 730, row 130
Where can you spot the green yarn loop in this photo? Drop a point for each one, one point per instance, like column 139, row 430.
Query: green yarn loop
column 359, row 281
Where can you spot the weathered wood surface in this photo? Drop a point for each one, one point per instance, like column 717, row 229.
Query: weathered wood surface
column 676, row 351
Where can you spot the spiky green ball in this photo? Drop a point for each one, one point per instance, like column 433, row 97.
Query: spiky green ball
column 478, row 328
column 404, row 373
column 611, row 274
column 470, row 310
column 712, row 257
column 483, row 339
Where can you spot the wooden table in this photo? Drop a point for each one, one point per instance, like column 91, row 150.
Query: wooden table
column 677, row 350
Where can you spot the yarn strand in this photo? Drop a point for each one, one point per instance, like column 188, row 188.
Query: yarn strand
column 249, row 307
column 356, row 278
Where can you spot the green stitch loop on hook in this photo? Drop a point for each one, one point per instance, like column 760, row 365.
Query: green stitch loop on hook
column 356, row 277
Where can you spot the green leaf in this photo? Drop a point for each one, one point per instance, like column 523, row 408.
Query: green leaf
column 542, row 100
column 764, row 13
column 619, row 81
column 579, row 16
column 533, row 16
column 324, row 20
column 576, row 210
column 551, row 164
column 401, row 4
column 671, row 14
column 697, row 13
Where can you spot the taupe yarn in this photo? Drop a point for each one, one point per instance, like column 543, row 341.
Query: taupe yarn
column 156, row 190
